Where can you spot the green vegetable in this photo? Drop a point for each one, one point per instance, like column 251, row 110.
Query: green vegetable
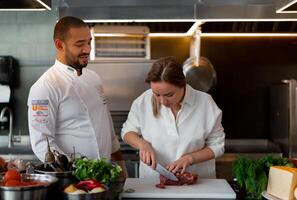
column 100, row 170
column 252, row 175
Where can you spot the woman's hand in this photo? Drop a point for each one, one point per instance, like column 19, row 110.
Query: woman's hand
column 181, row 164
column 147, row 154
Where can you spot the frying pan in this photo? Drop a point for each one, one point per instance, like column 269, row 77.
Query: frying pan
column 199, row 71
column 201, row 77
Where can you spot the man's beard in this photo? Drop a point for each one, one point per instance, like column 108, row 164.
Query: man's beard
column 75, row 63
column 71, row 61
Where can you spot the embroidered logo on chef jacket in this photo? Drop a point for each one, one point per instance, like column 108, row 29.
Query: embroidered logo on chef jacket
column 101, row 94
column 40, row 112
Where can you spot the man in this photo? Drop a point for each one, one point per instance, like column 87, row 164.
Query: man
column 67, row 103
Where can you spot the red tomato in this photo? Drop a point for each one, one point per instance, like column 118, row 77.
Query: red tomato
column 2, row 162
column 13, row 183
column 12, row 174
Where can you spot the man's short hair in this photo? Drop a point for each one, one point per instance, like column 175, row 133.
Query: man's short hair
column 64, row 24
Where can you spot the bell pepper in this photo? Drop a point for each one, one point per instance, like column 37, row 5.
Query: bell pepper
column 89, row 184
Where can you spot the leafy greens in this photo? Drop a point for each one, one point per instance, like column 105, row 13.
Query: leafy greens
column 100, row 170
column 252, row 175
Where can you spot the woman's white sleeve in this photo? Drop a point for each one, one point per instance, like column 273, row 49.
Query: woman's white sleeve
column 216, row 138
column 132, row 123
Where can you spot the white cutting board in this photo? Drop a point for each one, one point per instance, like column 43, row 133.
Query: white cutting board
column 204, row 188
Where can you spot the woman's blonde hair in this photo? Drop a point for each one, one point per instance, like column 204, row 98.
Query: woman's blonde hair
column 168, row 70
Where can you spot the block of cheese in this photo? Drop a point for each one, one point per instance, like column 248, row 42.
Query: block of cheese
column 282, row 182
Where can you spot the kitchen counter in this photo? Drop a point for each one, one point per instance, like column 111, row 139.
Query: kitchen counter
column 137, row 188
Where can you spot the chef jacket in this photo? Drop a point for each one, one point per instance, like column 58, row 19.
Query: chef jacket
column 71, row 111
column 197, row 124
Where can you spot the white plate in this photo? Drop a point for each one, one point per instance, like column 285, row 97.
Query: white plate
column 268, row 196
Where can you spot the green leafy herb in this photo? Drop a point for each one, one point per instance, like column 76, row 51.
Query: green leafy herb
column 100, row 170
column 252, row 175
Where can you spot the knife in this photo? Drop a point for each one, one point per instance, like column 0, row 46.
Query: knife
column 163, row 171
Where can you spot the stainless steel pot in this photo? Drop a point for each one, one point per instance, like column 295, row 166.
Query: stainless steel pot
column 64, row 178
column 38, row 192
column 200, row 76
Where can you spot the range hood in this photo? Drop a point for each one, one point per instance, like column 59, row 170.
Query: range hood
column 174, row 10
column 176, row 16
column 25, row 5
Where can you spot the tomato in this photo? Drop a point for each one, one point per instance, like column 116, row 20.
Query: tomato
column 13, row 183
column 2, row 164
column 12, row 174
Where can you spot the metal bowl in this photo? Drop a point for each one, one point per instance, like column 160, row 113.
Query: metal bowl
column 65, row 174
column 112, row 193
column 88, row 196
column 34, row 192
column 64, row 178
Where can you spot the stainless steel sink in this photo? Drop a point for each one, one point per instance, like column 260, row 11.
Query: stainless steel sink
column 19, row 150
column 24, row 140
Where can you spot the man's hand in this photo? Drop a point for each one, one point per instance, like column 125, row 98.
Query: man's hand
column 124, row 174
column 118, row 158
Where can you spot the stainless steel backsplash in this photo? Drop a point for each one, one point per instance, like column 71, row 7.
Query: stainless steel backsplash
column 123, row 81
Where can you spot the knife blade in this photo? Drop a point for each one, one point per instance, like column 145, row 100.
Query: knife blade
column 163, row 171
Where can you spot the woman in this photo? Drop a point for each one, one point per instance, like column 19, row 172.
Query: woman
column 174, row 125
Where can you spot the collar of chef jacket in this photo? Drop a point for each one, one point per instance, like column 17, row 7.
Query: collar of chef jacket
column 67, row 69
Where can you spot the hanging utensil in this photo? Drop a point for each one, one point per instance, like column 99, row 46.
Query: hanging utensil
column 202, row 77
column 199, row 71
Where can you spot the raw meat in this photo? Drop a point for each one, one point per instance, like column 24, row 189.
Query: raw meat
column 184, row 178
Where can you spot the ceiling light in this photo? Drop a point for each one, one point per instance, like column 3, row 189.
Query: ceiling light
column 25, row 5
column 168, row 34
column 249, row 34
column 136, row 20
column 287, row 6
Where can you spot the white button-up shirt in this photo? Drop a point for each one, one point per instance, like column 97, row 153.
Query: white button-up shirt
column 197, row 124
column 71, row 110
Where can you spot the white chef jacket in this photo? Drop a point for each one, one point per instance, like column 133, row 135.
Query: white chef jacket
column 198, row 124
column 71, row 110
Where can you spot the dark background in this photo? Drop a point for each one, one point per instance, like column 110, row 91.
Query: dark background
column 246, row 68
